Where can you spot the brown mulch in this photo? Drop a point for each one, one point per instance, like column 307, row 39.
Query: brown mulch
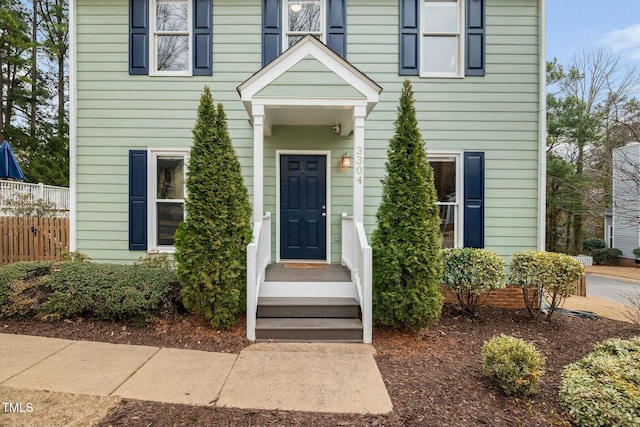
column 434, row 378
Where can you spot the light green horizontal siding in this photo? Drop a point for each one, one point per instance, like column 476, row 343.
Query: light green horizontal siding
column 497, row 114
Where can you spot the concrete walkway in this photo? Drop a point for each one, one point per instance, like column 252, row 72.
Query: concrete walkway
column 341, row 378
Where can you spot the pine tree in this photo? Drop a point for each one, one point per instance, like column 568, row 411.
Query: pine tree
column 407, row 259
column 211, row 243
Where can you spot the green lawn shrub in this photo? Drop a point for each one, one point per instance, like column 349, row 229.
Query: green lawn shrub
column 22, row 288
column 591, row 244
column 606, row 256
column 544, row 276
column 110, row 291
column 603, row 389
column 407, row 242
column 513, row 364
column 469, row 271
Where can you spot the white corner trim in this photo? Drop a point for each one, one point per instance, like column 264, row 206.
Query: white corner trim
column 73, row 132
column 326, row 153
column 542, row 128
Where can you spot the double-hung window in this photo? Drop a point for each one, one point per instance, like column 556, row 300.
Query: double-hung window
column 171, row 40
column 167, row 193
column 302, row 17
column 441, row 40
column 448, row 183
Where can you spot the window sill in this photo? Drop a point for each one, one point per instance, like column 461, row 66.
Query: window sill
column 441, row 76
column 162, row 250
column 172, row 74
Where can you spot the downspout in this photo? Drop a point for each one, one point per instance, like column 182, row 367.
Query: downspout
column 542, row 127
column 73, row 117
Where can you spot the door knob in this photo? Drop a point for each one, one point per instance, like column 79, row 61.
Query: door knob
column 324, row 214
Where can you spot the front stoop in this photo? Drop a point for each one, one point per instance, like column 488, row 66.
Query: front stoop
column 308, row 320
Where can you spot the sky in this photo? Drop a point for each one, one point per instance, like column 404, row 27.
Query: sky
column 574, row 26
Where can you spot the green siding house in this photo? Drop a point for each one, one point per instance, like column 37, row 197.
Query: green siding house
column 311, row 89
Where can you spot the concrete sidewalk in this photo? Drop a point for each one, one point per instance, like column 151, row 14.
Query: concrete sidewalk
column 341, row 378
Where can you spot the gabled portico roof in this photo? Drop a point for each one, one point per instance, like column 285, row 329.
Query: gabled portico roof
column 309, row 84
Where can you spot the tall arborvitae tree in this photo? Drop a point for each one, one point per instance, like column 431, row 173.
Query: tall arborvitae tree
column 407, row 259
column 211, row 243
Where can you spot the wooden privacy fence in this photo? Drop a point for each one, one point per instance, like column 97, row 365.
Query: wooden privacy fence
column 33, row 239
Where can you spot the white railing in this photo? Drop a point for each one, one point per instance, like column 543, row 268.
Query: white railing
column 356, row 254
column 258, row 258
column 585, row 260
column 348, row 242
column 58, row 197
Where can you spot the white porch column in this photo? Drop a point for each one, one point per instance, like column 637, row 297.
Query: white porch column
column 258, row 161
column 358, row 164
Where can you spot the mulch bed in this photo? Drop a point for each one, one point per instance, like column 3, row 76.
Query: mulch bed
column 434, row 378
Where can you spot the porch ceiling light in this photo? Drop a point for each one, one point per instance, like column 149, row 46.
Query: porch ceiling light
column 345, row 163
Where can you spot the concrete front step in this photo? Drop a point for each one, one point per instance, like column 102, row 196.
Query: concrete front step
column 309, row 329
column 308, row 307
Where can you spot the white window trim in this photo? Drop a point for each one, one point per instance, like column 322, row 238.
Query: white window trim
column 461, row 43
column 153, row 45
column 458, row 157
column 152, row 212
column 285, row 24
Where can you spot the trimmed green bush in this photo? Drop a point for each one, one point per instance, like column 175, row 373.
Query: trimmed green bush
column 468, row 272
column 109, row 291
column 636, row 253
column 544, row 276
column 515, row 365
column 591, row 244
column 603, row 389
column 606, row 256
column 21, row 288
column 407, row 259
column 211, row 243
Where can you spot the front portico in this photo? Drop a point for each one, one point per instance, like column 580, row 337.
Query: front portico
column 308, row 107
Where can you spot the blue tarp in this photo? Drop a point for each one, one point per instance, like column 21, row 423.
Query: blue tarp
column 9, row 167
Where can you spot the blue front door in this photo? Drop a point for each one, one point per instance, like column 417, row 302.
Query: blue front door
column 303, row 207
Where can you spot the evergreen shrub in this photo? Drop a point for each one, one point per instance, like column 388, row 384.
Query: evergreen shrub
column 544, row 276
column 212, row 241
column 606, row 256
column 515, row 365
column 407, row 259
column 469, row 271
column 603, row 389
column 109, row 291
column 591, row 244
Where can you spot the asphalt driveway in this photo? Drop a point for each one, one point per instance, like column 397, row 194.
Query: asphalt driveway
column 612, row 288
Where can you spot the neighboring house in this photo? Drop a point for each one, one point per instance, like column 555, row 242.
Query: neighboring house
column 298, row 114
column 626, row 199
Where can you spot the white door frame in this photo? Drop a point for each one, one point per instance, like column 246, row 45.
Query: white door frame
column 326, row 153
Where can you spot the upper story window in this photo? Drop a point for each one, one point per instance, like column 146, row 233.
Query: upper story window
column 442, row 38
column 171, row 37
column 171, row 41
column 302, row 17
column 441, row 41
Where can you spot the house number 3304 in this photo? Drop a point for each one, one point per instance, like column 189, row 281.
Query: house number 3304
column 359, row 164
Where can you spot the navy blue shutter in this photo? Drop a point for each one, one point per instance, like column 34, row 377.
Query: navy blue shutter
column 409, row 37
column 475, row 42
column 202, row 37
column 137, row 200
column 337, row 26
column 271, row 30
column 474, row 199
column 138, row 36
